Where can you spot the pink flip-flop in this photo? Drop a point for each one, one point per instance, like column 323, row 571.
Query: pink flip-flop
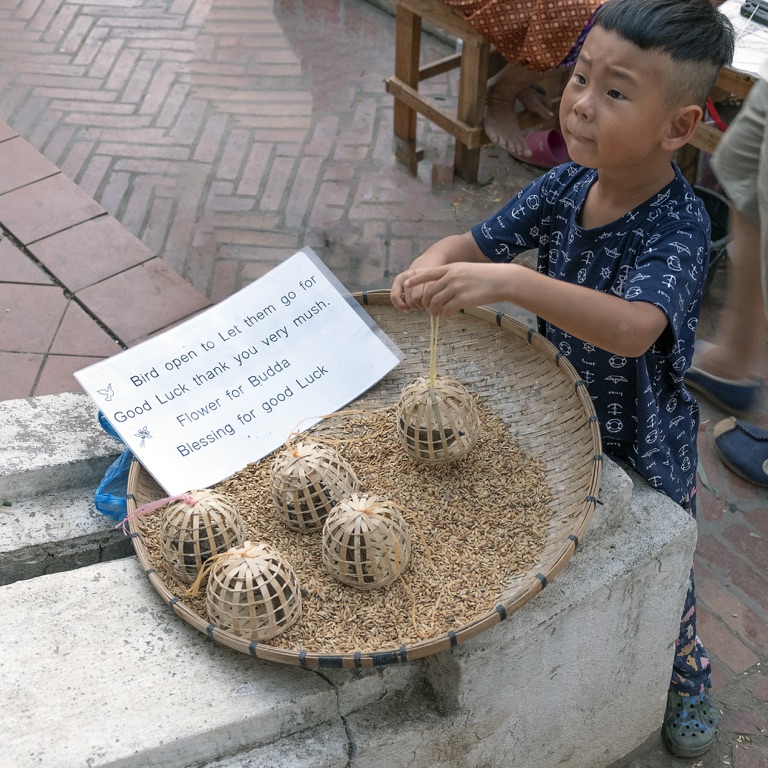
column 548, row 149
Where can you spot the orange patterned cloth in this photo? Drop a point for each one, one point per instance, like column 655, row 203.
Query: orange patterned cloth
column 536, row 34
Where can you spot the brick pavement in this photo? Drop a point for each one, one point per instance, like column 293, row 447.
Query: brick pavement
column 224, row 136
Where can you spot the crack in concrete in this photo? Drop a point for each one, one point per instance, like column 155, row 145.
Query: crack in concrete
column 351, row 744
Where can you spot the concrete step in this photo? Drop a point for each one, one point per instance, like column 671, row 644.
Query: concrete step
column 54, row 456
column 97, row 671
column 56, row 532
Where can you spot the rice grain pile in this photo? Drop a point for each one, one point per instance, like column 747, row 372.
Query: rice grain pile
column 474, row 523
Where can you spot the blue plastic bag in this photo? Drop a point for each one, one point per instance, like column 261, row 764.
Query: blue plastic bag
column 112, row 492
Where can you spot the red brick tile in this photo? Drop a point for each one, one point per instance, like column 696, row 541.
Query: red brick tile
column 57, row 374
column 121, row 69
column 21, row 164
column 19, row 374
column 750, row 756
column 253, row 270
column 758, row 518
column 224, row 280
column 723, row 643
column 302, row 195
column 741, row 489
column 720, row 676
column 255, row 167
column 79, row 334
column 29, row 316
column 142, row 151
column 92, row 176
column 187, row 124
column 401, row 255
column 345, row 172
column 141, row 301
column 6, row 132
column 750, row 544
column 757, row 685
column 733, row 568
column 708, row 506
column 90, row 252
column 235, row 148
column 748, row 625
column 323, row 136
column 17, row 267
column 280, row 174
column 745, row 721
column 45, row 207
column 76, row 157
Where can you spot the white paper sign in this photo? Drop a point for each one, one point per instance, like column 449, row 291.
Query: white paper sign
column 225, row 388
column 751, row 39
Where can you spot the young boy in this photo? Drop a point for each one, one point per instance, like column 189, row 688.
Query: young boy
column 623, row 247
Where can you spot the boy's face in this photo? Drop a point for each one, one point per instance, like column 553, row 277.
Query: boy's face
column 613, row 111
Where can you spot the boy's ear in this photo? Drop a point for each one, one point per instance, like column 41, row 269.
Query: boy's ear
column 682, row 127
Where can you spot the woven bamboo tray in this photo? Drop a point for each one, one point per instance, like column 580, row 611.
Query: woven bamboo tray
column 545, row 406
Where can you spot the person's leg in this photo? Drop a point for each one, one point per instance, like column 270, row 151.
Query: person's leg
column 742, row 324
column 690, row 719
column 725, row 370
column 513, row 82
column 742, row 446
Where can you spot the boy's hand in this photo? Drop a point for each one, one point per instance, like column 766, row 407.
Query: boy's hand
column 402, row 299
column 446, row 289
column 452, row 251
column 408, row 297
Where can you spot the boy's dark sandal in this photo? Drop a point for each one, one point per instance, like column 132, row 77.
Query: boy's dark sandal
column 733, row 396
column 743, row 447
column 690, row 724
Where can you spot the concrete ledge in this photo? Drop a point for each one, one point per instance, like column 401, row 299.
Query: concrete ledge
column 51, row 443
column 63, row 532
column 54, row 456
column 97, row 671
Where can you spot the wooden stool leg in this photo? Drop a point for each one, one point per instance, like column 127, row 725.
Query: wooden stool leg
column 407, row 52
column 473, row 85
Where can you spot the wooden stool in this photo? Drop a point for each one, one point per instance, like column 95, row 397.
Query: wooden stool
column 467, row 125
column 477, row 61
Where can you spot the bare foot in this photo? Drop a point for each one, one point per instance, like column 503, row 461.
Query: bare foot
column 509, row 85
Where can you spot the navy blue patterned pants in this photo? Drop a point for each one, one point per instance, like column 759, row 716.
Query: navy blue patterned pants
column 690, row 668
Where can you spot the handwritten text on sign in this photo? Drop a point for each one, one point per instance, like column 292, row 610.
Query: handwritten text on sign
column 226, row 387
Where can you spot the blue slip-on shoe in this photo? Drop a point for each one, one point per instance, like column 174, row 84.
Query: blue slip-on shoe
column 690, row 724
column 736, row 396
column 743, row 448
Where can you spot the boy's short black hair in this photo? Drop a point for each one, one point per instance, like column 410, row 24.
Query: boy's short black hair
column 698, row 38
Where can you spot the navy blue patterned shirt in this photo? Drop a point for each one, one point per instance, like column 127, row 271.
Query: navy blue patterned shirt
column 658, row 253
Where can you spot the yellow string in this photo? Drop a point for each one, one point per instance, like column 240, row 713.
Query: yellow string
column 434, row 329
